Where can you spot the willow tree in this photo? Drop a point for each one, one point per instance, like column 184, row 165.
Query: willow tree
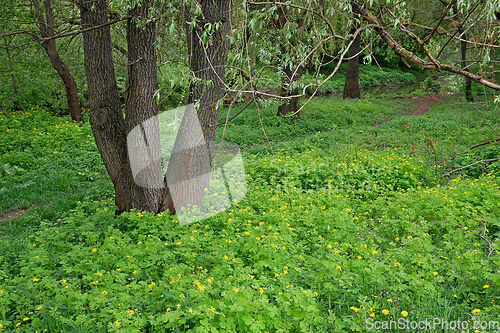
column 129, row 136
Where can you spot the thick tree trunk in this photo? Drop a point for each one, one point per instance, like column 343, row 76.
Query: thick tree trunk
column 351, row 87
column 130, row 146
column 47, row 31
column 188, row 172
column 106, row 117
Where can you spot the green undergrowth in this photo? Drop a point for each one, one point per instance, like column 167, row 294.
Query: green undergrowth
column 368, row 76
column 45, row 159
column 346, row 220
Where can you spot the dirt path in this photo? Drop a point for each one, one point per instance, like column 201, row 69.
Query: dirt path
column 424, row 103
column 12, row 214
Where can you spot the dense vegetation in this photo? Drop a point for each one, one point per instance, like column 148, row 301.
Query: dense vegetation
column 347, row 218
column 358, row 211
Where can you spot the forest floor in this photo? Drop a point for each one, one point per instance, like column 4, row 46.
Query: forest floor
column 424, row 103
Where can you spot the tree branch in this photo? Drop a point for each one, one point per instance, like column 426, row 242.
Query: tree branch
column 404, row 52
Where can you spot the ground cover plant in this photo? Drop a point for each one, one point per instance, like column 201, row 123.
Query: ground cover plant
column 346, row 219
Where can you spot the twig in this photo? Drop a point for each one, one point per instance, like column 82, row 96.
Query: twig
column 490, row 249
column 484, row 143
column 465, row 167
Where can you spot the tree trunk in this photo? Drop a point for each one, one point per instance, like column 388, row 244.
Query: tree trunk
column 289, row 105
column 188, row 172
column 10, row 68
column 129, row 164
column 130, row 146
column 468, row 81
column 47, row 31
column 351, row 87
column 463, row 55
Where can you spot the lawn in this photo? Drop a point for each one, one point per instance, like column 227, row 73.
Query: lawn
column 347, row 222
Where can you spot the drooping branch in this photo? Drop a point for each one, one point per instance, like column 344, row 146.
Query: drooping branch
column 368, row 16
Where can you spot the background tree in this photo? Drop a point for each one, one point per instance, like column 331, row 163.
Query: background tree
column 351, row 87
column 47, row 31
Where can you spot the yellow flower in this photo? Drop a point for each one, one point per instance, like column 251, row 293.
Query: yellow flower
column 35, row 280
column 404, row 313
column 486, row 286
column 338, row 267
column 117, row 323
column 178, row 306
column 26, row 319
column 235, row 289
column 476, row 310
column 385, row 311
column 63, row 281
column 104, row 292
column 389, row 300
column 94, row 250
column 372, row 314
column 211, row 309
column 435, row 273
column 39, row 308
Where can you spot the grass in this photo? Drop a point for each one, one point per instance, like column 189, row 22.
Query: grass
column 346, row 220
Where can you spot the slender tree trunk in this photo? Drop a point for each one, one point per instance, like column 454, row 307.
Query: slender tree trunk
column 12, row 76
column 47, row 31
column 289, row 105
column 188, row 172
column 468, row 81
column 463, row 55
column 351, row 87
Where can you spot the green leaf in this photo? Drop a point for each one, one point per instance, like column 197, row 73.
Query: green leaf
column 486, row 58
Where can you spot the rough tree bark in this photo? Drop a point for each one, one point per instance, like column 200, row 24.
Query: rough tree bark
column 351, row 87
column 109, row 127
column 47, row 31
column 130, row 145
column 188, row 172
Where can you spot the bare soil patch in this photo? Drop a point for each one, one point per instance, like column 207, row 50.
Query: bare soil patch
column 4, row 216
column 424, row 103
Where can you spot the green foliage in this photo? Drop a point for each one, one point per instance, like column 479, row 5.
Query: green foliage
column 45, row 159
column 368, row 76
column 429, row 85
column 344, row 222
